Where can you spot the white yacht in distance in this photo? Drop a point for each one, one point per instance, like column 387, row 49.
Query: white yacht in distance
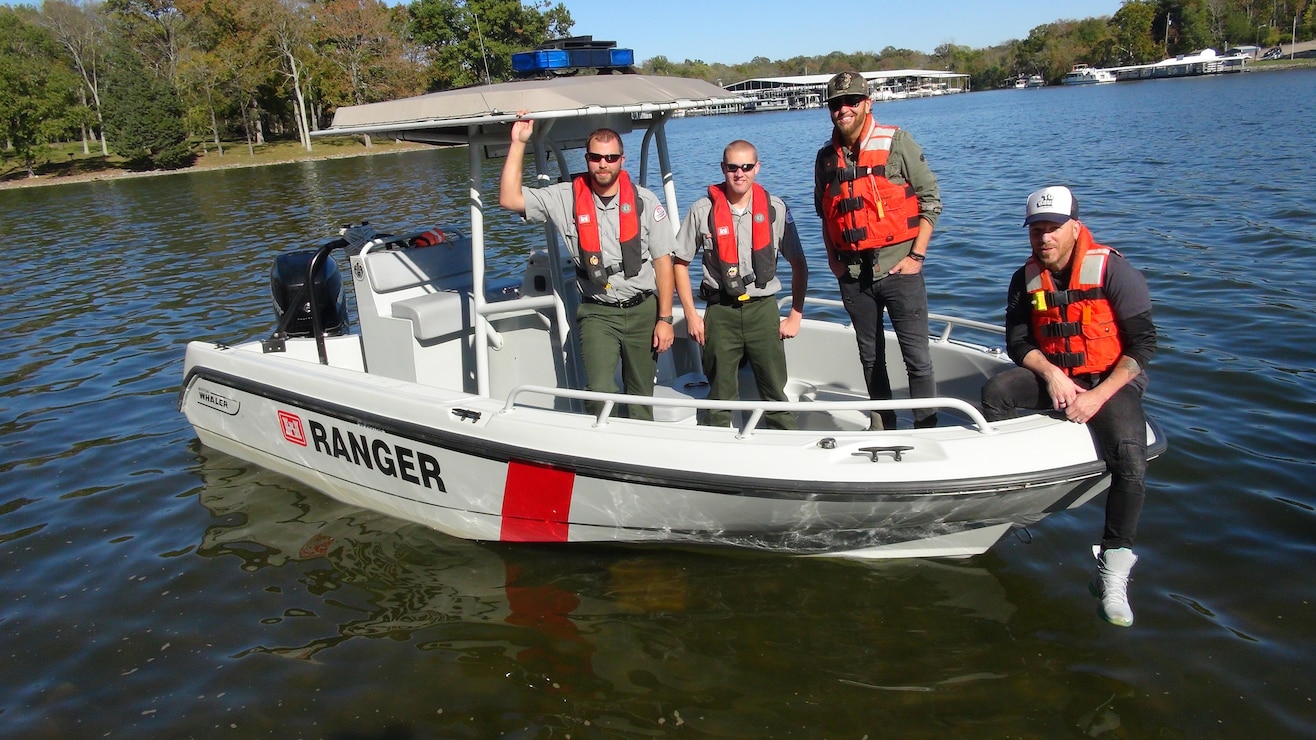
column 1082, row 74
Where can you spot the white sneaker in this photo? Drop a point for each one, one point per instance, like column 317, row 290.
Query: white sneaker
column 1111, row 584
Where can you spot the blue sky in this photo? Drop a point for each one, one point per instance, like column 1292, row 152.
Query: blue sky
column 717, row 31
column 779, row 29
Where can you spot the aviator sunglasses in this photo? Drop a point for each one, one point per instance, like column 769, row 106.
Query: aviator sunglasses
column 849, row 101
column 596, row 157
column 729, row 167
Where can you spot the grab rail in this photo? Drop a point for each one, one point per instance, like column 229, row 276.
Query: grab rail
column 756, row 408
column 950, row 321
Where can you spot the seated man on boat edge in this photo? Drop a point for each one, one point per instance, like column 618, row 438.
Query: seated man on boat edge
column 738, row 229
column 621, row 242
column 1078, row 323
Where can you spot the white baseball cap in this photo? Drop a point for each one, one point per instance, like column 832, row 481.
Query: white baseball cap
column 1055, row 204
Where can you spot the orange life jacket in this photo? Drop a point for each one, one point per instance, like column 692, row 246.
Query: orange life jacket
column 1075, row 328
column 725, row 262
column 587, row 230
column 862, row 209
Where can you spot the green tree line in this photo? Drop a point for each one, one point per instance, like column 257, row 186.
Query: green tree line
column 151, row 81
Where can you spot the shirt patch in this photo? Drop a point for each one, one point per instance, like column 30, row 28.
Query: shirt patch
column 659, row 214
column 789, row 218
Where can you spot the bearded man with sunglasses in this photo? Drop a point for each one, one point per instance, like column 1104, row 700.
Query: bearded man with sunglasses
column 878, row 202
column 739, row 229
column 622, row 243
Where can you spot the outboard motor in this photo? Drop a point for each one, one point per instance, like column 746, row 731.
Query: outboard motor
column 288, row 278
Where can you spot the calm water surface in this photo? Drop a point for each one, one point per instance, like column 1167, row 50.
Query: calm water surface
column 151, row 587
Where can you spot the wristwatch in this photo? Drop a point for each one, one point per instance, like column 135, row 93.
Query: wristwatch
column 668, row 319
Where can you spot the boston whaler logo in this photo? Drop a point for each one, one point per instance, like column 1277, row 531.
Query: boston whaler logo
column 217, row 401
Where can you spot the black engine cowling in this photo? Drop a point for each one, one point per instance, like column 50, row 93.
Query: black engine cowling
column 287, row 280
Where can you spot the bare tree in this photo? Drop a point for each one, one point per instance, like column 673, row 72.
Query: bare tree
column 287, row 23
column 79, row 26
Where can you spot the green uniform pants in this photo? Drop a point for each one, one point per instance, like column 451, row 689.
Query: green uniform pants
column 748, row 331
column 609, row 334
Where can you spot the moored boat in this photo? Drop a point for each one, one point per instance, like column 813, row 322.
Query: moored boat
column 455, row 401
column 1082, row 74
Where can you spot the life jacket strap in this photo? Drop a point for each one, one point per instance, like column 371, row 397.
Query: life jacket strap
column 854, row 236
column 1063, row 329
column 850, row 205
column 1066, row 297
column 1068, row 359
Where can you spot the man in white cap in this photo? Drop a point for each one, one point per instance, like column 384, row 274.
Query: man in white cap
column 1078, row 323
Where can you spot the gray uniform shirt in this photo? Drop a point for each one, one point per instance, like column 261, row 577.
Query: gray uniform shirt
column 557, row 204
column 695, row 239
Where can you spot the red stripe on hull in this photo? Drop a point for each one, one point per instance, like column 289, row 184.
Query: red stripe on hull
column 536, row 503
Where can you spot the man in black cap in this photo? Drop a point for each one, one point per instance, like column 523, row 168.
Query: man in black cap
column 1078, row 323
column 878, row 202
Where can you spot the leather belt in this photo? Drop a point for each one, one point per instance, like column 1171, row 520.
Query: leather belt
column 631, row 302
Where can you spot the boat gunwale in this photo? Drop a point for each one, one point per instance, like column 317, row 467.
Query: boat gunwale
column 707, row 482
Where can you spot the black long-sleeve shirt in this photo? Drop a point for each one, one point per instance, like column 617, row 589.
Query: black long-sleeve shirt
column 1125, row 288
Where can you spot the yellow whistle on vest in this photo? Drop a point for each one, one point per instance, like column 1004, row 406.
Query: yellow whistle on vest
column 743, row 297
column 1039, row 300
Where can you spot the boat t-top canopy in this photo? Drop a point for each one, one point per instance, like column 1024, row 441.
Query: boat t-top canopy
column 447, row 117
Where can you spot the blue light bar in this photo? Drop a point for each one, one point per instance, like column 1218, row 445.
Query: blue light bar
column 577, row 52
column 540, row 61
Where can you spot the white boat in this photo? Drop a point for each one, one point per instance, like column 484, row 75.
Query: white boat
column 455, row 401
column 1082, row 74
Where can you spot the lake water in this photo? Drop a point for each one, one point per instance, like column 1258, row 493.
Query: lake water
column 152, row 587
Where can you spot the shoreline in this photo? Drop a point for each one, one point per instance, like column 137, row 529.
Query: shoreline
column 394, row 147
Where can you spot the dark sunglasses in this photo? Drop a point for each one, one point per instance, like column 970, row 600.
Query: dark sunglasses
column 596, row 157
column 728, row 167
column 849, row 101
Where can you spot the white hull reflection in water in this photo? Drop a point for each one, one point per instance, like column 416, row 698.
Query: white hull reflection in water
column 457, row 401
column 570, row 624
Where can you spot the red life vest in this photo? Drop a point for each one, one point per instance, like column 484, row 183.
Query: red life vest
column 1075, row 327
column 862, row 209
column 587, row 230
column 725, row 262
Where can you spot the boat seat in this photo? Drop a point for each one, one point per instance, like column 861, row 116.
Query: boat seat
column 433, row 315
column 691, row 385
column 444, row 266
